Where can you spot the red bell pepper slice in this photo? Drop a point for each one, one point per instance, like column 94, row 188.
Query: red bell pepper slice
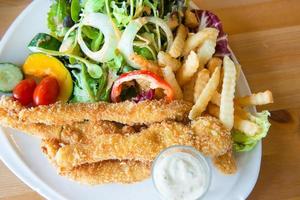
column 154, row 80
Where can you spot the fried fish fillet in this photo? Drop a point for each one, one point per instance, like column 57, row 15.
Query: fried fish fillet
column 215, row 138
column 226, row 163
column 109, row 171
column 143, row 146
column 145, row 112
column 10, row 120
column 80, row 132
column 207, row 137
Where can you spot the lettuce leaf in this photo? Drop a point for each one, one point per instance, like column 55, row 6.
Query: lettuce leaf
column 243, row 142
column 84, row 85
column 75, row 10
column 86, row 88
column 120, row 13
column 118, row 65
column 93, row 6
column 59, row 18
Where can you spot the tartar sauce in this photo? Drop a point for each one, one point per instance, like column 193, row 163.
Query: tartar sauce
column 181, row 176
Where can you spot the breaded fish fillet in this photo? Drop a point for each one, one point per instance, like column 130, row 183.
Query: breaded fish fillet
column 226, row 163
column 143, row 146
column 145, row 112
column 215, row 138
column 83, row 132
column 109, row 171
column 10, row 120
column 208, row 136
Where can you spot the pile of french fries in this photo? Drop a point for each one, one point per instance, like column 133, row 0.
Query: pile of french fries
column 195, row 75
column 209, row 82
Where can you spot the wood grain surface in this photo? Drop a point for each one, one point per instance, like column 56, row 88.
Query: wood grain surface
column 265, row 36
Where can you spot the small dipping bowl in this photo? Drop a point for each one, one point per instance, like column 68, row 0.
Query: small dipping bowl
column 190, row 153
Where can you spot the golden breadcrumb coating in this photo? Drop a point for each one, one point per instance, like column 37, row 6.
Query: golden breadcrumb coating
column 143, row 146
column 215, row 139
column 226, row 163
column 50, row 147
column 109, row 171
column 145, row 112
column 83, row 132
column 10, row 120
column 85, row 143
column 11, row 105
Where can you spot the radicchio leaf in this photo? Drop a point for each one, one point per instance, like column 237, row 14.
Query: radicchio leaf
column 144, row 95
column 209, row 20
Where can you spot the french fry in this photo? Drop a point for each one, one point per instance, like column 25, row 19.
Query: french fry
column 213, row 64
column 188, row 90
column 206, row 51
column 241, row 124
column 241, row 112
column 216, row 98
column 213, row 110
column 195, row 40
column 206, row 95
column 201, row 81
column 221, row 81
column 173, row 22
column 245, row 126
column 260, row 98
column 227, row 95
column 169, row 76
column 177, row 46
column 164, row 59
column 145, row 64
column 188, row 69
column 190, row 19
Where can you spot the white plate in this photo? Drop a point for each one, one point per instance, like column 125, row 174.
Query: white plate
column 21, row 153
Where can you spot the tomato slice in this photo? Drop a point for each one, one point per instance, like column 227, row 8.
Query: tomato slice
column 23, row 91
column 154, row 80
column 46, row 92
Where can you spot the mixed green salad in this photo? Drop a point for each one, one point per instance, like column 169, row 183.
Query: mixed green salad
column 88, row 54
column 95, row 38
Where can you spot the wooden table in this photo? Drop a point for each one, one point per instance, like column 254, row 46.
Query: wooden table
column 265, row 35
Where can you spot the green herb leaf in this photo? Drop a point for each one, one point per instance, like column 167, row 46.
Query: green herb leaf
column 86, row 88
column 94, row 6
column 90, row 32
column 117, row 63
column 146, row 53
column 120, row 13
column 97, row 42
column 75, row 10
column 58, row 12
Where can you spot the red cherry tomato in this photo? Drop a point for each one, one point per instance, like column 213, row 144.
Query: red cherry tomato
column 46, row 92
column 24, row 90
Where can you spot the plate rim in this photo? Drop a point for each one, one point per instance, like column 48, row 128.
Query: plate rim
column 16, row 164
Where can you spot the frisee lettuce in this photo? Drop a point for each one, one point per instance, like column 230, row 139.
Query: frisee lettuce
column 122, row 17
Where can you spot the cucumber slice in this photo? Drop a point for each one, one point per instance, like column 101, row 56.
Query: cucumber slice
column 45, row 41
column 10, row 76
